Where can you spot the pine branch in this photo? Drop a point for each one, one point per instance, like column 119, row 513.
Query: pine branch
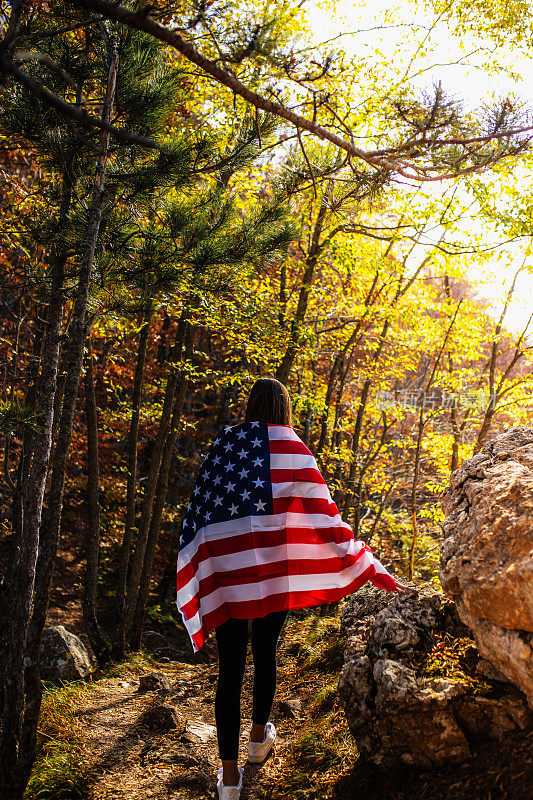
column 404, row 159
column 148, row 25
column 70, row 111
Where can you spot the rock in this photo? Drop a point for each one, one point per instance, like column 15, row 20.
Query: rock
column 162, row 719
column 152, row 682
column 487, row 554
column 64, row 657
column 154, row 641
column 401, row 705
column 364, row 603
column 198, row 731
column 160, row 647
column 290, row 709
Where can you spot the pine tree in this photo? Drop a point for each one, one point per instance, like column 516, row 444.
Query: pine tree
column 122, row 158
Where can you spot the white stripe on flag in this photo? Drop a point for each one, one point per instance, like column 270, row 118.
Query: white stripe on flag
column 286, row 583
column 244, row 525
column 317, row 491
column 292, row 461
column 259, row 556
column 283, row 432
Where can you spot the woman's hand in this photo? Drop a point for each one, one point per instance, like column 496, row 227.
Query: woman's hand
column 402, row 587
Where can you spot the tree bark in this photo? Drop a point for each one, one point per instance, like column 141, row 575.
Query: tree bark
column 119, row 638
column 153, row 474
column 17, row 598
column 160, row 496
column 49, row 532
column 92, row 548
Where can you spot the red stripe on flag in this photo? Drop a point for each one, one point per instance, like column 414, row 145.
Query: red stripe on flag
column 288, row 446
column 253, row 609
column 305, row 505
column 258, row 539
column 259, row 572
column 306, row 474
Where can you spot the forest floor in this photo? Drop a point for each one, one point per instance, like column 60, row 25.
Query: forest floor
column 96, row 746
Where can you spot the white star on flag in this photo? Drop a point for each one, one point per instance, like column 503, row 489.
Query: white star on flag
column 260, row 581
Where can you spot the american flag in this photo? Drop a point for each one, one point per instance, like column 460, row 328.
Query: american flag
column 262, row 534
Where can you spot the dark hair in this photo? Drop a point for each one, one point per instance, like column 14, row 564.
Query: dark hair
column 269, row 401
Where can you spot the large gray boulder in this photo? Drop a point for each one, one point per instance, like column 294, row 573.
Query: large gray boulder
column 413, row 687
column 486, row 562
column 64, row 657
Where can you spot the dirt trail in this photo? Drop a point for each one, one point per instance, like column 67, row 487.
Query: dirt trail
column 128, row 759
column 315, row 757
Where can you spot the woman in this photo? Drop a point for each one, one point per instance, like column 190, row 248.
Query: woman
column 267, row 540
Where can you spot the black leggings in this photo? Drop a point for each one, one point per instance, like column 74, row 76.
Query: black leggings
column 232, row 641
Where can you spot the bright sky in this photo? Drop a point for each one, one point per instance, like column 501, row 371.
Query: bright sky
column 468, row 81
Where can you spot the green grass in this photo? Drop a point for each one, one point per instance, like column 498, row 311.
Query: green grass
column 58, row 772
column 325, row 749
column 325, row 699
column 133, row 664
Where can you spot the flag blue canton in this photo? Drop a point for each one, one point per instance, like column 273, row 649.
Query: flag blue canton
column 234, row 480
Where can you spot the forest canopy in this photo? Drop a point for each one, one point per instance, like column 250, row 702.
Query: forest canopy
column 196, row 194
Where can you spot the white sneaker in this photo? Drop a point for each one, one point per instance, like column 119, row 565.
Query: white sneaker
column 258, row 751
column 229, row 792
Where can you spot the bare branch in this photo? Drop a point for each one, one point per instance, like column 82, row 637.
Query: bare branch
column 379, row 159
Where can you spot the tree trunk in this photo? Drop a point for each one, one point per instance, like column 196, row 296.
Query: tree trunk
column 485, row 429
column 327, row 402
column 16, row 600
column 421, row 426
column 414, row 488
column 49, row 532
column 160, row 496
column 359, row 420
column 284, row 369
column 23, row 469
column 361, row 408
column 454, row 463
column 153, row 474
column 119, row 637
column 338, row 365
column 92, row 549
